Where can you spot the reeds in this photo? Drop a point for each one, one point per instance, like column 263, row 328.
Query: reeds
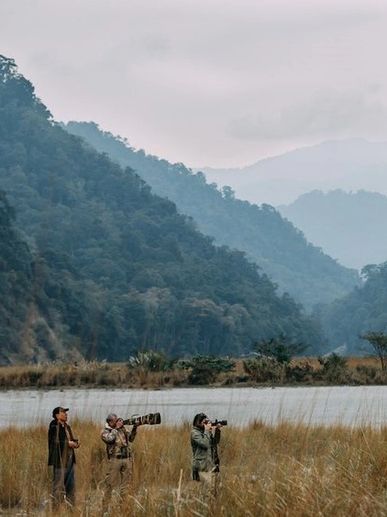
column 86, row 373
column 282, row 470
column 302, row 371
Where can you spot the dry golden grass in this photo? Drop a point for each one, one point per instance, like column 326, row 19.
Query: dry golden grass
column 285, row 470
column 86, row 373
column 360, row 370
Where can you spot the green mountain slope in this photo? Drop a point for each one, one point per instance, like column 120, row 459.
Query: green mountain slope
column 34, row 300
column 363, row 310
column 281, row 250
column 16, row 278
column 128, row 270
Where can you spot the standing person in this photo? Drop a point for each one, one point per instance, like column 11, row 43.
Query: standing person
column 204, row 442
column 119, row 454
column 61, row 456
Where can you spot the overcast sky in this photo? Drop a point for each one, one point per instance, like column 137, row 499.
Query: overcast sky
column 207, row 82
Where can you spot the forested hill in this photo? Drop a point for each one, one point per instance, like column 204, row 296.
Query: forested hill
column 281, row 250
column 125, row 269
column 362, row 311
column 34, row 300
column 16, row 279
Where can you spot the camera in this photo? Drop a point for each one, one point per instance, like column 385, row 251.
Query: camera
column 149, row 419
column 218, row 422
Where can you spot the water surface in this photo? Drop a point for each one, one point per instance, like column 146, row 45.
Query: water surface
column 349, row 405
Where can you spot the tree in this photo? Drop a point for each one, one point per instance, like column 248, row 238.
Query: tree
column 228, row 192
column 378, row 341
column 280, row 348
column 205, row 369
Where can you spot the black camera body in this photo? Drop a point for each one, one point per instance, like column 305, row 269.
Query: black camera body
column 219, row 422
column 149, row 419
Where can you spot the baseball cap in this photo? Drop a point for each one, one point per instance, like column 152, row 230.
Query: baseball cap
column 58, row 409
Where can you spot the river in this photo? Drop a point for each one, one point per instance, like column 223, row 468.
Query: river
column 348, row 405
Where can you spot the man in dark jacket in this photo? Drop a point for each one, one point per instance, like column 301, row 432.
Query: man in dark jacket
column 61, row 456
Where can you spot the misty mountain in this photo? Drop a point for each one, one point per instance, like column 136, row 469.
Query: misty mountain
column 349, row 226
column 116, row 268
column 273, row 243
column 361, row 311
column 350, row 165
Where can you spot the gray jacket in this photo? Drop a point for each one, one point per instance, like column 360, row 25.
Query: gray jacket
column 204, row 449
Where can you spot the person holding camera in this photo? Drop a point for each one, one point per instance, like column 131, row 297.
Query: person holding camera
column 61, row 456
column 119, row 454
column 205, row 436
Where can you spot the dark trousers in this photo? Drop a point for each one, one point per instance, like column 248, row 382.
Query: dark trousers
column 63, row 484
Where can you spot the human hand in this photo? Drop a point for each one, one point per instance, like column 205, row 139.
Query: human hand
column 207, row 426
column 74, row 444
column 119, row 423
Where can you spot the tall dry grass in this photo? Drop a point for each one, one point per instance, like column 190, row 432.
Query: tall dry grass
column 358, row 371
column 86, row 373
column 283, row 470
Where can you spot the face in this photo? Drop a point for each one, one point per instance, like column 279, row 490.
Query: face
column 203, row 422
column 113, row 421
column 62, row 416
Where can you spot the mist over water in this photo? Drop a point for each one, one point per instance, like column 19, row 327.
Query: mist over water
column 347, row 405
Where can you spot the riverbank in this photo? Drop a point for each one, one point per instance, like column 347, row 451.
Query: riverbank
column 286, row 469
column 250, row 372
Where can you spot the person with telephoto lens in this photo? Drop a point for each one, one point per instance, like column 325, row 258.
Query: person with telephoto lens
column 118, row 442
column 205, row 437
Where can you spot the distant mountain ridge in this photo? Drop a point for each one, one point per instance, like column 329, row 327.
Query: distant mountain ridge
column 350, row 165
column 349, row 226
column 273, row 243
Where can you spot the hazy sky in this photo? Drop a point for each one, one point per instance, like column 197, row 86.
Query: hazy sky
column 207, row 82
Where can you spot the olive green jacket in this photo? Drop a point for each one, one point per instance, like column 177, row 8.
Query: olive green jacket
column 203, row 445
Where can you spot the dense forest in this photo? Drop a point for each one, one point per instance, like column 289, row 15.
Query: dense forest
column 280, row 249
column 339, row 221
column 107, row 267
column 36, row 300
column 16, row 280
column 363, row 310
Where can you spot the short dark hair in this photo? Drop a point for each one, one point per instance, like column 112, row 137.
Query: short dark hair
column 198, row 419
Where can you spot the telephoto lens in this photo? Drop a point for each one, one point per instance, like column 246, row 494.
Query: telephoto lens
column 219, row 422
column 149, row 419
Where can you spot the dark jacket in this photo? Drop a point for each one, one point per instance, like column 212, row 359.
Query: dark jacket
column 59, row 453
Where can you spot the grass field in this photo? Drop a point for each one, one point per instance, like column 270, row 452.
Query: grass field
column 283, row 470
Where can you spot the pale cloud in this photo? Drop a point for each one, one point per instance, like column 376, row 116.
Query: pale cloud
column 336, row 114
column 207, row 82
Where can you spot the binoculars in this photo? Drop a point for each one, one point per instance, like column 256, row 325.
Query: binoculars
column 149, row 419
